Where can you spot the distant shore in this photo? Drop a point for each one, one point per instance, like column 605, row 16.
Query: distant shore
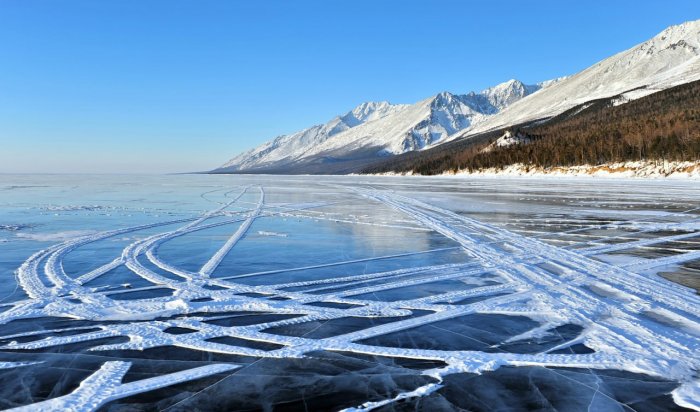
column 637, row 169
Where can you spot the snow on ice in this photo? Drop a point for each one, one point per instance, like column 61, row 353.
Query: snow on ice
column 466, row 277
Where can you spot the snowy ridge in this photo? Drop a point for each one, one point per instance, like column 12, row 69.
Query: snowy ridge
column 641, row 323
column 379, row 129
column 288, row 148
column 668, row 59
column 386, row 128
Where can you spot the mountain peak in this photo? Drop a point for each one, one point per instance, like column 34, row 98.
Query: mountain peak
column 684, row 38
column 509, row 84
column 683, row 29
column 444, row 97
column 670, row 58
column 508, row 92
column 366, row 109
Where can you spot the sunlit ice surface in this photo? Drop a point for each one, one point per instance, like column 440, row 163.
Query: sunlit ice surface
column 196, row 292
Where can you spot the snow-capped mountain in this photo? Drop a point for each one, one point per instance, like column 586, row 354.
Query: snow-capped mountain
column 668, row 59
column 372, row 130
column 507, row 93
column 288, row 148
column 382, row 128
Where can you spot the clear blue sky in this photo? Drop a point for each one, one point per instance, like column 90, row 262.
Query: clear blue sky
column 166, row 86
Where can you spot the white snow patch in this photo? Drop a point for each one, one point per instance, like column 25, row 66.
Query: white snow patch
column 274, row 234
column 55, row 237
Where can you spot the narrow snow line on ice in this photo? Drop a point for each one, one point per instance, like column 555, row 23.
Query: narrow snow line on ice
column 105, row 385
column 421, row 391
column 216, row 259
column 340, row 263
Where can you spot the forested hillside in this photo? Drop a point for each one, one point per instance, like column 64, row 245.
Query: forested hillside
column 661, row 126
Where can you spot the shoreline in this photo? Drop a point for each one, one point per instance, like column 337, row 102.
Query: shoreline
column 638, row 170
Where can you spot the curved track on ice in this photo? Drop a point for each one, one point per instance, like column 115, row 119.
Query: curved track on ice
column 553, row 285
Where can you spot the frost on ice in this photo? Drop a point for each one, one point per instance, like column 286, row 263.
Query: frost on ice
column 452, row 292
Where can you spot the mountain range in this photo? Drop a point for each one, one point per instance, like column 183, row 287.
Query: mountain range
column 373, row 131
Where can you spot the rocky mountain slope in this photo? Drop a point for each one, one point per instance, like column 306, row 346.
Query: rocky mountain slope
column 379, row 128
column 668, row 59
column 374, row 131
column 658, row 129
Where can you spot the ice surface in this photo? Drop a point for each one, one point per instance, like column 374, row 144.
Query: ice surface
column 254, row 292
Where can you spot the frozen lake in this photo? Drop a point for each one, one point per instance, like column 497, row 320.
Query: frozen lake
column 198, row 292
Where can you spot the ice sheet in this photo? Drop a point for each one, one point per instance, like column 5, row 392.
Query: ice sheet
column 183, row 285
